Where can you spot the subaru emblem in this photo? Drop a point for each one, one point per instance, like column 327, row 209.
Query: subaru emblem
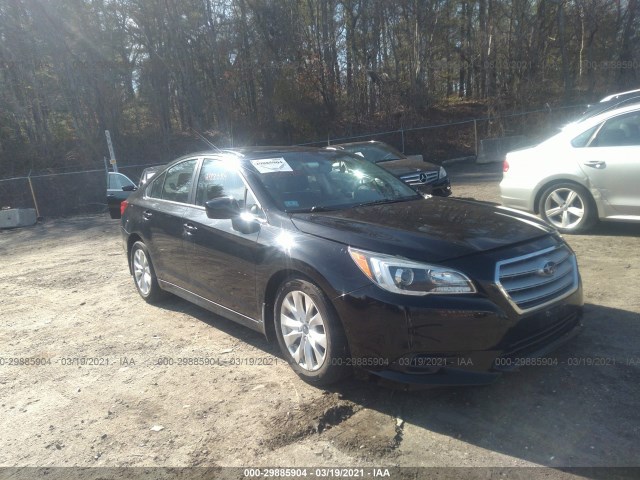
column 548, row 269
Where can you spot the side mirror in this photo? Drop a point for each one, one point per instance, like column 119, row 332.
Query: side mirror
column 222, row 208
column 129, row 188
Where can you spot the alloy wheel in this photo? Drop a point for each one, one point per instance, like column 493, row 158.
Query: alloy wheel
column 564, row 208
column 142, row 271
column 303, row 330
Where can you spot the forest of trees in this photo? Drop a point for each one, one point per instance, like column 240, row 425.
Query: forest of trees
column 286, row 71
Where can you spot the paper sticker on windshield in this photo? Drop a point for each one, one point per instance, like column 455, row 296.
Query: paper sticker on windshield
column 270, row 165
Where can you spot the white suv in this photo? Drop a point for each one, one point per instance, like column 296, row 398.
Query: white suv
column 588, row 172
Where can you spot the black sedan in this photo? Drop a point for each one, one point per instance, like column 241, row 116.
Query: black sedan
column 346, row 266
column 423, row 176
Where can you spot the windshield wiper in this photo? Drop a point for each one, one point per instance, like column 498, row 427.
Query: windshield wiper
column 388, row 200
column 315, row 208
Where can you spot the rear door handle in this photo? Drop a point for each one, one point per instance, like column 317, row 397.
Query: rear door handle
column 599, row 164
column 190, row 228
column 147, row 214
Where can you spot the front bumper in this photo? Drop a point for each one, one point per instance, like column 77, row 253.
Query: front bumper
column 440, row 188
column 452, row 339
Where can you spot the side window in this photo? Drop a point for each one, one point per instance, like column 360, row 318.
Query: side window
column 623, row 130
column 219, row 179
column 177, row 183
column 582, row 140
column 117, row 181
column 154, row 190
column 114, row 182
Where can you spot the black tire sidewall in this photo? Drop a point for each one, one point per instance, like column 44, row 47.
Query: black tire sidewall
column 333, row 368
column 589, row 217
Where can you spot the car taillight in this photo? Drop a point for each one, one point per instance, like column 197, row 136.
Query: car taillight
column 505, row 166
column 123, row 206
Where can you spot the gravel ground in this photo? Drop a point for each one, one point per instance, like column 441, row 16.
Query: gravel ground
column 66, row 294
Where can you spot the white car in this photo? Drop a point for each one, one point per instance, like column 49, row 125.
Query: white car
column 588, row 172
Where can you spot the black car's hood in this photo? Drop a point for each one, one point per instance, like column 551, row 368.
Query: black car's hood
column 404, row 166
column 433, row 229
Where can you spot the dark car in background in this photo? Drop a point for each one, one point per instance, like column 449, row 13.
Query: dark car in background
column 347, row 266
column 119, row 187
column 423, row 176
column 611, row 102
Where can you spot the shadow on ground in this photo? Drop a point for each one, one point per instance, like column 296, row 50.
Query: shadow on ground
column 580, row 412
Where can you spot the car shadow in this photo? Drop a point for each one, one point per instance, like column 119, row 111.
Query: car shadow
column 614, row 229
column 580, row 412
column 231, row 328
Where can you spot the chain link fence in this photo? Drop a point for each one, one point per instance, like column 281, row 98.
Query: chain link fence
column 62, row 193
column 56, row 194
column 458, row 139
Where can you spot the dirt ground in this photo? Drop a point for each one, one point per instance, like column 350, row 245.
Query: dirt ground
column 134, row 400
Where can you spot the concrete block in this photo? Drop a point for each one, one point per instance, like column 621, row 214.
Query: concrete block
column 17, row 217
column 494, row 149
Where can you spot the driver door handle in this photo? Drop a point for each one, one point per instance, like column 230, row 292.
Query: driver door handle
column 190, row 228
column 599, row 164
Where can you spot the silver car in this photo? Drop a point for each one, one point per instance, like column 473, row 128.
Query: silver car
column 588, row 172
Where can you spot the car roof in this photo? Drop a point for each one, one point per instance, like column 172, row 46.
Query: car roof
column 616, row 96
column 251, row 153
column 609, row 105
column 355, row 144
column 594, row 120
column 263, row 151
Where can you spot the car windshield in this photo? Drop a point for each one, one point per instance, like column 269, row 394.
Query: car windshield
column 374, row 152
column 327, row 180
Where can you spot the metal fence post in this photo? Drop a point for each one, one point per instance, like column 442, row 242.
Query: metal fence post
column 402, row 134
column 475, row 135
column 33, row 195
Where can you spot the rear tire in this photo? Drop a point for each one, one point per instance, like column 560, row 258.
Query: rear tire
column 144, row 275
column 309, row 333
column 568, row 207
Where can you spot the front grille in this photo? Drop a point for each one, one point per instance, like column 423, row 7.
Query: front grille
column 420, row 178
column 538, row 279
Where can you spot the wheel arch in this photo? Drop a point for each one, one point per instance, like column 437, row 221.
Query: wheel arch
column 556, row 181
column 278, row 278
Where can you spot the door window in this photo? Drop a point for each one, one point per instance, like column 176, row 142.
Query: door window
column 177, row 183
column 620, row 131
column 219, row 178
column 155, row 188
column 117, row 181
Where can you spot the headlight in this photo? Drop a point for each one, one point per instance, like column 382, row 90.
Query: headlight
column 400, row 275
column 442, row 172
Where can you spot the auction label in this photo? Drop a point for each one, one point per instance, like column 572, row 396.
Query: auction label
column 270, row 165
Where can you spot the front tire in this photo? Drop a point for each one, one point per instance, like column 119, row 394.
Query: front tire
column 568, row 207
column 144, row 275
column 309, row 333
